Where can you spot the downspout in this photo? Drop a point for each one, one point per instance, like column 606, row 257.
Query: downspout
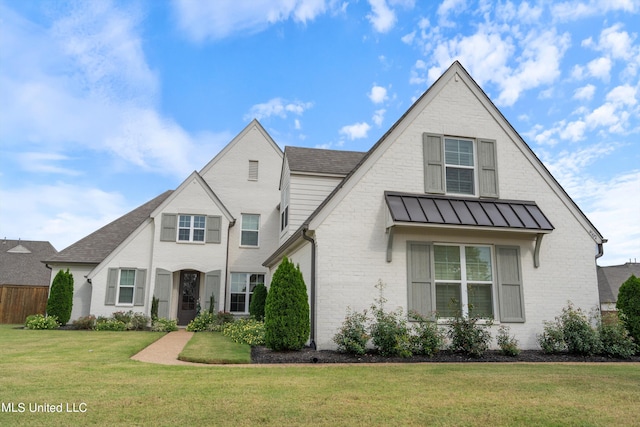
column 312, row 286
column 601, row 248
column 226, row 267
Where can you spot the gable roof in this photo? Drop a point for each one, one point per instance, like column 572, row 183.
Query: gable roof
column 456, row 69
column 610, row 279
column 253, row 124
column 21, row 262
column 315, row 160
column 95, row 247
column 197, row 177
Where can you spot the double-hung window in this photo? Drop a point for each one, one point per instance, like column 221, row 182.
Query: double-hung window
column 191, row 228
column 250, row 230
column 463, row 280
column 126, row 286
column 242, row 286
column 284, row 209
column 459, row 166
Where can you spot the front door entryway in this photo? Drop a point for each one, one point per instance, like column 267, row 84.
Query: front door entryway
column 189, row 294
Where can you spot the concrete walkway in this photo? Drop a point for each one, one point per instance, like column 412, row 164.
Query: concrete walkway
column 165, row 351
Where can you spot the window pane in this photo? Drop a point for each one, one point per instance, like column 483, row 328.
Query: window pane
column 198, row 221
column 249, row 238
column 480, row 300
column 478, row 263
column 183, row 234
column 126, row 295
column 447, row 262
column 458, row 152
column 238, row 282
column 250, row 222
column 460, row 181
column 198, row 235
column 237, row 302
column 448, row 299
column 185, row 221
column 127, row 277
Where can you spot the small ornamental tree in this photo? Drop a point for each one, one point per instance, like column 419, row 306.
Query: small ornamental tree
column 258, row 300
column 60, row 299
column 286, row 312
column 629, row 306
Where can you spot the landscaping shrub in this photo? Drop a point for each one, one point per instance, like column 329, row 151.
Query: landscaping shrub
column 258, row 300
column 38, row 321
column 352, row 337
column 468, row 336
column 60, row 299
column 164, row 325
column 287, row 309
column 508, row 344
column 616, row 341
column 202, row 322
column 109, row 324
column 552, row 339
column 389, row 331
column 628, row 306
column 426, row 338
column 245, row 331
column 578, row 334
column 85, row 322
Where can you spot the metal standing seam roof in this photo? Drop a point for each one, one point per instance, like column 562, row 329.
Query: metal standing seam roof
column 452, row 211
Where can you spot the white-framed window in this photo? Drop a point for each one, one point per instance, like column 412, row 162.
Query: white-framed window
column 249, row 232
column 460, row 166
column 126, row 286
column 463, row 277
column 191, row 228
column 242, row 286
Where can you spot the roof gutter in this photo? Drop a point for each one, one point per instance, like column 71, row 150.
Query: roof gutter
column 312, row 286
column 601, row 248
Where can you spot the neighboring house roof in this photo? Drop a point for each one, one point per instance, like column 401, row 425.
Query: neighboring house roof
column 610, row 279
column 315, row 160
column 94, row 248
column 429, row 209
column 21, row 262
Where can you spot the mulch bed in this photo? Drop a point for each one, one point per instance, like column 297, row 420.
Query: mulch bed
column 308, row 355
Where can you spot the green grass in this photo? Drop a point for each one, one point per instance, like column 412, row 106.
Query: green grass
column 94, row 368
column 213, row 347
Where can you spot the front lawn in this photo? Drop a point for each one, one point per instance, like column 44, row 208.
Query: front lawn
column 91, row 372
column 213, row 347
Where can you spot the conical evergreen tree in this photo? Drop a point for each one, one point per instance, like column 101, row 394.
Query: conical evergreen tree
column 60, row 299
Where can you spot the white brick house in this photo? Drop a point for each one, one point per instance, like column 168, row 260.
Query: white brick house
column 450, row 209
column 207, row 237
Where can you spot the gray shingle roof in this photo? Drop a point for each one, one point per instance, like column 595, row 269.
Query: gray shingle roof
column 21, row 262
column 94, row 248
column 612, row 277
column 427, row 209
column 316, row 160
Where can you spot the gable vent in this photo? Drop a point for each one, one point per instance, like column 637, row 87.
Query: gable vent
column 253, row 170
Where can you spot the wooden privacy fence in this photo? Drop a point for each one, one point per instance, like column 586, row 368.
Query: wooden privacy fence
column 18, row 301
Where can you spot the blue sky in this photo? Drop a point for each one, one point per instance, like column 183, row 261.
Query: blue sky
column 106, row 104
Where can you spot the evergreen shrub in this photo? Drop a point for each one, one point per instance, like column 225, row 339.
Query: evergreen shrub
column 60, row 299
column 258, row 300
column 628, row 305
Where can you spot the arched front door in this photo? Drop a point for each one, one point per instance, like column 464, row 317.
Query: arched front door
column 189, row 294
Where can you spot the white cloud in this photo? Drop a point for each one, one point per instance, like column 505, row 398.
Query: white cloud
column 600, row 68
column 277, row 107
column 618, row 44
column 447, row 7
column 356, row 130
column 67, row 213
column 382, row 17
column 585, row 93
column 378, row 94
column 577, row 9
column 45, row 163
column 378, row 117
column 203, row 20
column 623, row 95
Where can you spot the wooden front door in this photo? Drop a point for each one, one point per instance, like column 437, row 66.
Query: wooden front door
column 189, row 294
